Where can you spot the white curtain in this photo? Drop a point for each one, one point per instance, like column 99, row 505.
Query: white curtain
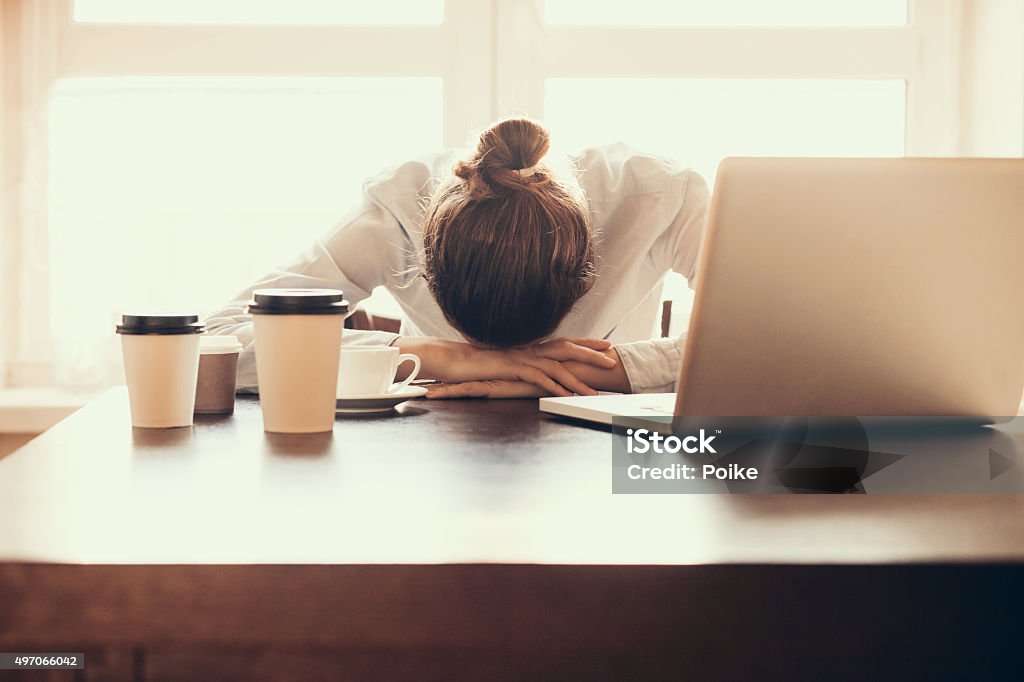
column 31, row 52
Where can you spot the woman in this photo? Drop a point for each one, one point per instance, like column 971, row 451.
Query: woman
column 508, row 270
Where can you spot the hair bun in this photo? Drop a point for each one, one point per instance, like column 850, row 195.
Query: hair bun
column 503, row 149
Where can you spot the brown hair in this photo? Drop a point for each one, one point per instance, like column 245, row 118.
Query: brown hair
column 507, row 254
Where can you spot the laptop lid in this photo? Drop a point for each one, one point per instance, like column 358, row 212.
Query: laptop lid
column 861, row 287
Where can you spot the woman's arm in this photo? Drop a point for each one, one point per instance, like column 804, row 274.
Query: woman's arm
column 611, row 376
column 558, row 367
column 641, row 367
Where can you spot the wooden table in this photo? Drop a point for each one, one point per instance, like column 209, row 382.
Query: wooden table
column 480, row 539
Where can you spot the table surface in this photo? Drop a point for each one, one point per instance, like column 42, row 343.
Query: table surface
column 435, row 482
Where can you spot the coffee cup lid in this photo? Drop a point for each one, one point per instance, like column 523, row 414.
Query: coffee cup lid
column 219, row 345
column 298, row 302
column 159, row 324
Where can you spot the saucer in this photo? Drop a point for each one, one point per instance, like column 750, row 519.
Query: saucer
column 384, row 402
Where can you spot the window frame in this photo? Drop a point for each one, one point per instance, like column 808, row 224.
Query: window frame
column 923, row 53
column 486, row 74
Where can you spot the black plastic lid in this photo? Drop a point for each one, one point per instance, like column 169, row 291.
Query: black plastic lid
column 298, row 302
column 160, row 324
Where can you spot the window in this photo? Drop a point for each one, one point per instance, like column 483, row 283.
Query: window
column 699, row 121
column 223, row 135
column 171, row 193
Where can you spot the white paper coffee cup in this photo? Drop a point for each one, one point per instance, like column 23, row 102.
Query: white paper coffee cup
column 161, row 365
column 297, row 334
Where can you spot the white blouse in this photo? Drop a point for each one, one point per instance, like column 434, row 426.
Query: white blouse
column 648, row 214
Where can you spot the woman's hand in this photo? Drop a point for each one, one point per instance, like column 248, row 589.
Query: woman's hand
column 587, row 351
column 495, row 388
column 452, row 362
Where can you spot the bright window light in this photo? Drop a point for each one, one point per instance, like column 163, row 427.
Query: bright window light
column 175, row 193
column 700, row 121
column 248, row 12
column 727, row 13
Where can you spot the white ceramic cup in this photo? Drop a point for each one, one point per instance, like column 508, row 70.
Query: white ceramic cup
column 365, row 371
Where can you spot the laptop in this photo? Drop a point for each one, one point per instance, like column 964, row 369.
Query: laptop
column 851, row 287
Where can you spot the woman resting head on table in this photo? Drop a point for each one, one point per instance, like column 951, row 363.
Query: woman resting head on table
column 515, row 279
